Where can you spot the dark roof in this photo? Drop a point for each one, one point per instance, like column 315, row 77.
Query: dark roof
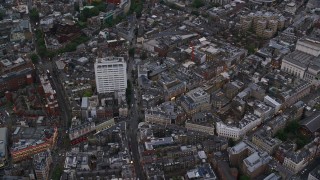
column 312, row 123
column 316, row 172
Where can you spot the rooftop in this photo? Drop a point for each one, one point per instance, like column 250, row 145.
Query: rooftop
column 256, row 160
column 110, row 59
column 204, row 171
column 299, row 58
column 315, row 172
column 3, row 141
column 312, row 123
column 158, row 142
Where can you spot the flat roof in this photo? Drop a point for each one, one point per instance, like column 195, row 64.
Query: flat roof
column 3, row 141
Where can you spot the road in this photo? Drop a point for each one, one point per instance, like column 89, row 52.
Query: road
column 65, row 116
column 61, row 97
column 133, row 126
column 280, row 168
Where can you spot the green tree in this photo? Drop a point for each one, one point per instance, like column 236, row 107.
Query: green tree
column 42, row 50
column 129, row 92
column 34, row 15
column 34, row 58
column 82, row 24
column 136, row 7
column 131, row 52
column 197, row 3
column 100, row 5
column 57, row 172
column 87, row 94
column 51, row 54
column 76, row 6
column 143, row 56
column 292, row 127
column 231, row 142
column 196, row 13
column 282, row 135
column 244, row 177
column 251, row 48
column 88, row 13
column 1, row 15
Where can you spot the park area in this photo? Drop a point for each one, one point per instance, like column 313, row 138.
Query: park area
column 292, row 133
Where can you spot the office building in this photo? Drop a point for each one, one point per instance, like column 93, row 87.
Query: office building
column 111, row 75
column 201, row 122
column 296, row 161
column 195, row 101
column 304, row 61
column 264, row 140
column 42, row 162
column 237, row 130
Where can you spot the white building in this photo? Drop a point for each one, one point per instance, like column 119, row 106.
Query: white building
column 227, row 131
column 309, row 46
column 235, row 131
column 273, row 103
column 263, row 111
column 296, row 63
column 304, row 61
column 291, row 8
column 111, row 75
column 296, row 161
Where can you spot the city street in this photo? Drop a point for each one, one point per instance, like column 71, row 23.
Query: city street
column 56, row 84
column 133, row 126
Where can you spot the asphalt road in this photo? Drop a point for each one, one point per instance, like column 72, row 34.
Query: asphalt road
column 61, row 97
column 133, row 126
column 65, row 116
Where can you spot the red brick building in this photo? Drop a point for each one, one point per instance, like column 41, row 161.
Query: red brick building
column 15, row 80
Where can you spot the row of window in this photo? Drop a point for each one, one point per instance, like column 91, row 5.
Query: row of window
column 109, row 66
column 291, row 71
column 228, row 134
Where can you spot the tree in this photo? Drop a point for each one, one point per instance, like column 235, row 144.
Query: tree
column 76, row 6
column 231, row 142
column 244, row 177
column 292, row 127
column 100, row 5
column 34, row 15
column 34, row 58
column 251, row 48
column 196, row 13
column 131, row 52
column 88, row 13
column 136, row 7
column 143, row 56
column 281, row 135
column 1, row 15
column 87, row 94
column 42, row 50
column 57, row 172
column 197, row 3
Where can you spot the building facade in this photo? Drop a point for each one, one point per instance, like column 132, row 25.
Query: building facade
column 196, row 100
column 111, row 74
column 42, row 162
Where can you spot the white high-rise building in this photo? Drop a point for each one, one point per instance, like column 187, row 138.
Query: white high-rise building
column 111, row 75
